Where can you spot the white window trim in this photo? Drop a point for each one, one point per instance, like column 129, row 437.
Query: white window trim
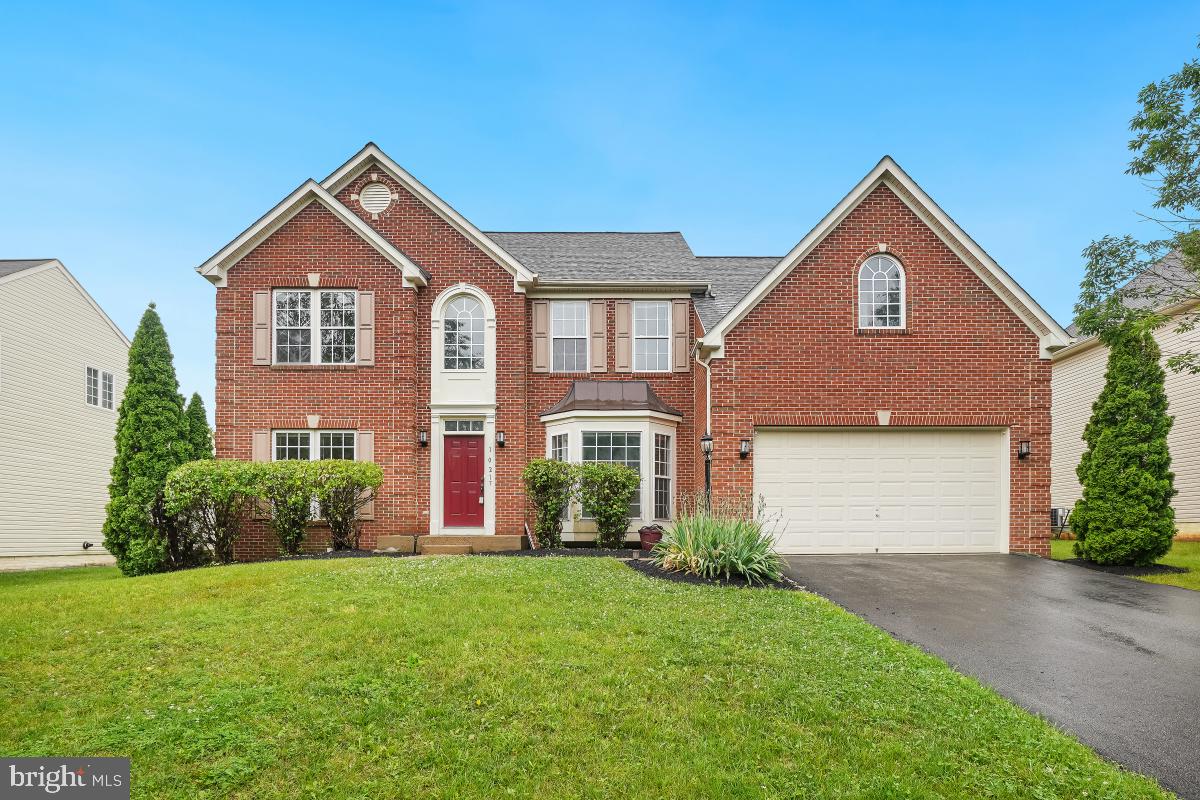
column 587, row 337
column 101, row 374
column 575, row 528
column 314, row 440
column 903, row 295
column 669, row 477
column 633, row 336
column 314, row 320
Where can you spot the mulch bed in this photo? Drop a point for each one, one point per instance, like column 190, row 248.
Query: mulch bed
column 1153, row 569
column 652, row 570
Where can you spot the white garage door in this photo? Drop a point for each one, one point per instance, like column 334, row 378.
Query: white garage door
column 881, row 490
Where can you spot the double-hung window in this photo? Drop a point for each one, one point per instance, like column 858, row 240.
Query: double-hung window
column 315, row 326
column 616, row 447
column 313, row 445
column 99, row 388
column 662, row 476
column 569, row 336
column 558, row 447
column 652, row 336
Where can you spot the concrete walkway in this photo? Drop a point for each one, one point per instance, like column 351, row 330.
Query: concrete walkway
column 1113, row 660
column 27, row 563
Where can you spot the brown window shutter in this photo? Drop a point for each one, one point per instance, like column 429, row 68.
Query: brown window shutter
column 541, row 335
column 366, row 329
column 365, row 451
column 623, row 323
column 598, row 320
column 262, row 327
column 260, row 450
column 681, row 345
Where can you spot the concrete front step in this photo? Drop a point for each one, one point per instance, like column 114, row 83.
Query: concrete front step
column 472, row 543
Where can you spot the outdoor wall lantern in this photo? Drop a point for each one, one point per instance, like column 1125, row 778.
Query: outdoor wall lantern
column 1024, row 448
column 423, row 437
column 744, row 449
column 499, row 438
column 706, row 447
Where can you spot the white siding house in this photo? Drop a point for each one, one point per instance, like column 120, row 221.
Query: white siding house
column 1078, row 377
column 62, row 374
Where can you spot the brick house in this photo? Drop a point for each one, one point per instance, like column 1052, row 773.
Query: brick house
column 883, row 387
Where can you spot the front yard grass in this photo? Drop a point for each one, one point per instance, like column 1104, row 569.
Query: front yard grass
column 469, row 677
column 1182, row 554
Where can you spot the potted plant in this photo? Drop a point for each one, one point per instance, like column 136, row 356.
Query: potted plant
column 650, row 536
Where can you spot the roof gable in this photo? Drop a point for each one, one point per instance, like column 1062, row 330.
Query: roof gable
column 216, row 268
column 372, row 155
column 888, row 173
column 13, row 270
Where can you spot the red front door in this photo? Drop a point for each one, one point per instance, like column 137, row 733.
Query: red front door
column 464, row 481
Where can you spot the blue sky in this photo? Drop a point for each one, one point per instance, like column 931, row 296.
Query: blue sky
column 138, row 138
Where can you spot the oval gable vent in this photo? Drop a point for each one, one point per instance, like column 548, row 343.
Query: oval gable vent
column 375, row 197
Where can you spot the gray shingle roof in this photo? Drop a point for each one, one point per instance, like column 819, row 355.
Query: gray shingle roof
column 732, row 278
column 9, row 266
column 1161, row 284
column 622, row 256
column 601, row 256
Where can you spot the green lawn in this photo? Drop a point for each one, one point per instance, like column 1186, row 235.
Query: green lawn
column 1183, row 554
column 470, row 677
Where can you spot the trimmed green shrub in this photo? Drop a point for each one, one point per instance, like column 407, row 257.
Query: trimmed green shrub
column 200, row 442
column 151, row 441
column 287, row 488
column 212, row 498
column 549, row 485
column 606, row 490
column 343, row 488
column 722, row 543
column 1125, row 514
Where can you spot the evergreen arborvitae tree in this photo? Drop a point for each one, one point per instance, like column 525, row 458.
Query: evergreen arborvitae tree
column 1125, row 514
column 152, row 439
column 199, row 434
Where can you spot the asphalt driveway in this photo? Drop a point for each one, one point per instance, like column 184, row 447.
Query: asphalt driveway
column 1113, row 660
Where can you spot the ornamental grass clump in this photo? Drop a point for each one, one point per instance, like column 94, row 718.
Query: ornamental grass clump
column 728, row 544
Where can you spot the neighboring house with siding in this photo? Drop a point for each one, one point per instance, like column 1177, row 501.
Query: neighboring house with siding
column 62, row 372
column 1078, row 377
column 884, row 386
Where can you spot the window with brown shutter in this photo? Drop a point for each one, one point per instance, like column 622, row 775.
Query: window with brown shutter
column 598, row 320
column 262, row 328
column 366, row 452
column 366, row 329
column 623, row 325
column 541, row 335
column 681, row 346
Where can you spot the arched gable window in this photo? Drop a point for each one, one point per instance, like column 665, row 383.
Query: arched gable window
column 880, row 293
column 462, row 334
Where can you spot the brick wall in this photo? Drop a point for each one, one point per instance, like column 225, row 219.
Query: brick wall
column 964, row 359
column 795, row 360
